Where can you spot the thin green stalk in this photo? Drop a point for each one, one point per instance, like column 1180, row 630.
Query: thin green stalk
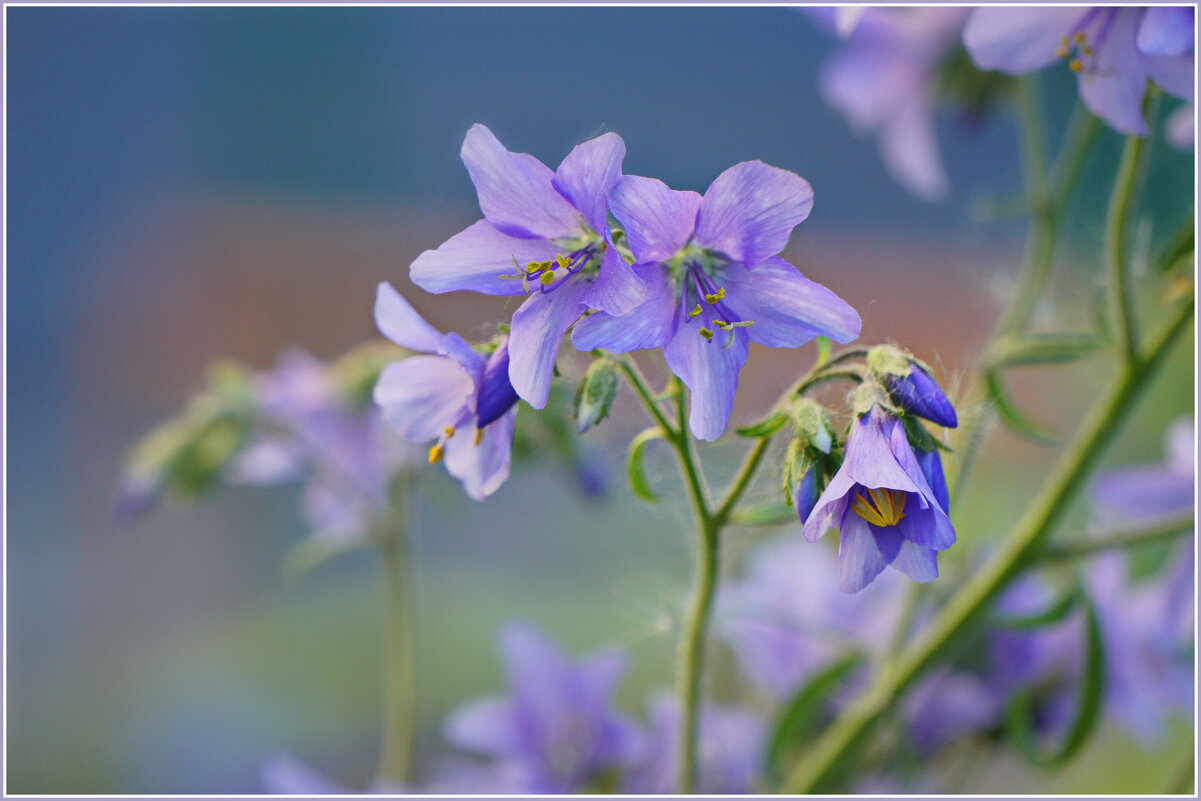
column 833, row 749
column 1125, row 325
column 1163, row 532
column 397, row 738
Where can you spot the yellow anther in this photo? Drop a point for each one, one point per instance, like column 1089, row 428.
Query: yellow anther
column 722, row 324
column 716, row 296
column 1064, row 39
column 706, row 333
column 1075, row 65
column 479, row 437
column 1079, row 38
column 449, row 431
column 435, row 454
column 1062, row 52
column 547, row 277
column 533, row 267
column 694, row 312
column 886, row 507
column 1088, row 51
column 564, row 262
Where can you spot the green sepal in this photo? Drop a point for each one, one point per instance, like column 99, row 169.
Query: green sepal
column 1017, row 422
column 1089, row 696
column 799, row 720
column 765, row 427
column 635, row 472
column 883, row 360
column 824, row 348
column 919, row 437
column 594, row 398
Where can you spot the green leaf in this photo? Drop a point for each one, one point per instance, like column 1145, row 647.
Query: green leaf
column 1043, row 349
column 1015, row 420
column 594, row 399
column 765, row 427
column 800, row 718
column 1090, row 692
column 1054, row 613
column 824, row 346
column 639, row 484
column 771, row 513
column 1179, row 248
column 313, row 551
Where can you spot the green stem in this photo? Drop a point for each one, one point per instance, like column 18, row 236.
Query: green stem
column 1117, row 218
column 397, row 737
column 832, row 750
column 1167, row 530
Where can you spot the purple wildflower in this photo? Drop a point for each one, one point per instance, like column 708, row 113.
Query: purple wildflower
column 729, row 750
column 931, row 464
column 545, row 235
column 284, row 774
column 1113, row 50
column 918, row 393
column 883, row 506
column 554, row 731
column 884, row 78
column 449, row 393
column 805, row 494
column 1147, row 492
column 946, row 705
column 714, row 281
column 1181, row 127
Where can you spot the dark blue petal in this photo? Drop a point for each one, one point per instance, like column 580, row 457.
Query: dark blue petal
column 496, row 393
column 918, row 393
column 931, row 464
column 806, row 495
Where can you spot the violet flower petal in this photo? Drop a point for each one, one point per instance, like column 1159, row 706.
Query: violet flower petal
column 710, row 370
column 859, row 557
column 658, row 221
column 616, row 289
column 484, row 467
column 476, row 258
column 650, row 325
column 789, row 310
column 421, row 395
column 538, row 328
column 400, row 322
column 1166, row 31
column 588, row 174
column 1018, row 40
column 749, row 211
column 1112, row 88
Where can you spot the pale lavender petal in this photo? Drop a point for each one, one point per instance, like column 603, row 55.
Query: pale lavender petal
column 284, row 774
column 710, row 370
column 650, row 325
column 917, row 561
column 1181, row 128
column 828, row 511
column 616, row 289
column 846, row 19
column 421, row 395
column 486, row 726
column 476, row 259
column 1143, row 492
column 929, row 527
column 1174, row 74
column 400, row 322
column 538, row 328
column 658, row 221
column 515, row 189
column 1112, row 86
column 749, row 211
column 588, row 174
column 910, row 150
column 788, row 309
column 859, row 558
column 870, row 459
column 1018, row 40
column 1166, row 31
column 599, row 674
column 869, row 80
column 482, row 467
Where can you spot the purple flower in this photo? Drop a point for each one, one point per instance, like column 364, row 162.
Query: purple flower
column 729, row 750
column 1146, row 492
column 714, row 281
column 544, row 235
column 806, row 494
column 884, row 78
column 931, row 464
column 786, row 619
column 883, row 506
column 284, row 774
column 306, row 429
column 948, row 704
column 1113, row 51
column 918, row 393
column 554, row 731
column 1181, row 127
column 449, row 393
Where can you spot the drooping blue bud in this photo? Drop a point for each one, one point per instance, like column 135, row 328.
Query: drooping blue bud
column 919, row 394
column 806, row 494
column 496, row 393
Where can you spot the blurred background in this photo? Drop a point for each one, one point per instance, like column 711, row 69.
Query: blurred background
column 190, row 182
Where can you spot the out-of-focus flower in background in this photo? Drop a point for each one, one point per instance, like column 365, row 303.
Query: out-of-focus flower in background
column 555, row 730
column 715, row 282
column 1145, row 492
column 1112, row 50
column 544, row 234
column 284, row 774
column 885, row 78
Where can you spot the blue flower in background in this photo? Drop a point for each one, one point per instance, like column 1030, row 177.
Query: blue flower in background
column 1146, row 492
column 1113, row 51
column 730, row 744
column 284, row 774
column 883, row 506
column 544, row 234
column 884, row 80
column 448, row 393
column 714, row 281
column 555, row 731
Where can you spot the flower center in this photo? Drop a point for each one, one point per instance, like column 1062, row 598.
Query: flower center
column 880, row 507
column 1081, row 44
column 701, row 299
column 550, row 275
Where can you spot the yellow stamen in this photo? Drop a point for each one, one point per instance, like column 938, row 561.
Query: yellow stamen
column 1062, row 52
column 1075, row 65
column 716, row 296
column 547, row 277
column 886, row 507
column 435, row 454
column 706, row 333
column 533, row 267
column 449, row 431
column 563, row 261
column 479, row 437
column 1088, row 51
column 694, row 312
column 722, row 324
column 1079, row 38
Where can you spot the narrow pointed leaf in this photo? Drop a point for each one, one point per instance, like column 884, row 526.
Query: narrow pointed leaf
column 635, row 471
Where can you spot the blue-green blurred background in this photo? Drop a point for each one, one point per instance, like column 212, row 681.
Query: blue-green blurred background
column 189, row 182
